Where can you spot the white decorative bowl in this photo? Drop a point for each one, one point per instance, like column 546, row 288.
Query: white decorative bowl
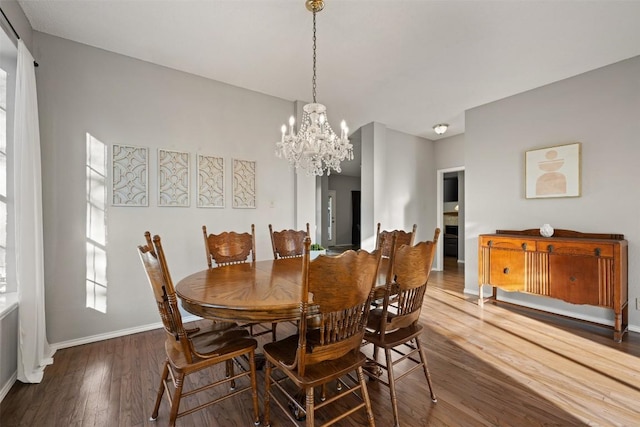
column 546, row 230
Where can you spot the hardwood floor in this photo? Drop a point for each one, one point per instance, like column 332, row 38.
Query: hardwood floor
column 501, row 365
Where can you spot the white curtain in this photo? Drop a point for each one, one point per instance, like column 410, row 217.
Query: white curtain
column 34, row 352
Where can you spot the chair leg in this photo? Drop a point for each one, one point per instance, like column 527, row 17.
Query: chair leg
column 175, row 401
column 254, row 388
column 427, row 375
column 392, row 386
column 229, row 372
column 375, row 352
column 163, row 378
column 309, row 407
column 365, row 396
column 273, row 331
column 267, row 389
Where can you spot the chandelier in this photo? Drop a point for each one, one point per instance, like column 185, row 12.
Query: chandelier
column 315, row 147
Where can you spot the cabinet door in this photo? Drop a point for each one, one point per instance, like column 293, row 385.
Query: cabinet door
column 574, row 278
column 507, row 269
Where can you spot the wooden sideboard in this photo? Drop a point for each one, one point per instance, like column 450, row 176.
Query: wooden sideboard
column 579, row 268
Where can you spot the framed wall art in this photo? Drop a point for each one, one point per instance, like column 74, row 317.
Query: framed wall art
column 210, row 181
column 553, row 171
column 130, row 175
column 173, row 178
column 244, row 184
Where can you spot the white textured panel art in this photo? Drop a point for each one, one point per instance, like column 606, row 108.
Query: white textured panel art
column 210, row 181
column 244, row 184
column 130, row 175
column 173, row 178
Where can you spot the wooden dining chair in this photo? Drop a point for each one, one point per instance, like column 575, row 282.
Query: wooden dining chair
column 395, row 327
column 288, row 243
column 384, row 239
column 336, row 294
column 191, row 352
column 229, row 247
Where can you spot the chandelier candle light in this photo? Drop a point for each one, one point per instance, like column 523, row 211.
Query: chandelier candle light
column 315, row 147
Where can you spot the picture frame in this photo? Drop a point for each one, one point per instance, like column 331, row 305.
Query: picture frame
column 129, row 175
column 210, row 181
column 173, row 178
column 553, row 172
column 244, row 184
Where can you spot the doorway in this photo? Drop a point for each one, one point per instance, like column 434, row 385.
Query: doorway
column 355, row 219
column 450, row 219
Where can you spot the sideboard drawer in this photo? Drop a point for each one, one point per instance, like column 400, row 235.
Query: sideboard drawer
column 513, row 244
column 576, row 248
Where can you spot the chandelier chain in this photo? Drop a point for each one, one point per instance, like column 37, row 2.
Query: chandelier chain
column 314, row 56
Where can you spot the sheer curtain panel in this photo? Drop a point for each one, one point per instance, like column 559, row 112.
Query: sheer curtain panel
column 34, row 352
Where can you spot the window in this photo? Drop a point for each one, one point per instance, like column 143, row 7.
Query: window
column 3, row 181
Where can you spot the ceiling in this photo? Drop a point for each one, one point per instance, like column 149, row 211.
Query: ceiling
column 408, row 64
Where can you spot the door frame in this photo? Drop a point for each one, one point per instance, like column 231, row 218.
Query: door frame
column 331, row 241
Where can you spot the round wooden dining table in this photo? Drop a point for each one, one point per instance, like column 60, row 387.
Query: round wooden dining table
column 262, row 291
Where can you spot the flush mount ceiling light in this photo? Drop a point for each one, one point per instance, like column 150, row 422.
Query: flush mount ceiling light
column 440, row 128
column 315, row 147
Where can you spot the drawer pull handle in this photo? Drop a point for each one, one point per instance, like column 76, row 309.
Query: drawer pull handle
column 550, row 248
column 506, row 270
column 490, row 243
column 524, row 246
column 572, row 279
column 597, row 251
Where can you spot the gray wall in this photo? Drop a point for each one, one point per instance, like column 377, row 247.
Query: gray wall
column 398, row 183
column 449, row 152
column 600, row 109
column 19, row 21
column 119, row 100
column 8, row 350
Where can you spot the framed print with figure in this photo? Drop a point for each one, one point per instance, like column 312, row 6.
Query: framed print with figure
column 553, row 172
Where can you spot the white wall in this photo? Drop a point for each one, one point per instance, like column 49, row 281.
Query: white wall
column 600, row 109
column 120, row 100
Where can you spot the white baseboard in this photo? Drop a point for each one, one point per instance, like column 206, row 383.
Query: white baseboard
column 555, row 310
column 460, row 261
column 116, row 334
column 5, row 388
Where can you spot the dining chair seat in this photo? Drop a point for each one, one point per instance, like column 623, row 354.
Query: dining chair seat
column 316, row 374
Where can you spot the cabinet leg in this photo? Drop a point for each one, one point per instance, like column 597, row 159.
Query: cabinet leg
column 480, row 297
column 621, row 323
